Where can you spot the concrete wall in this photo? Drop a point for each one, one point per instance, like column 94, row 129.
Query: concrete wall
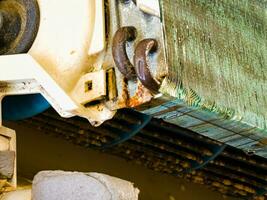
column 38, row 151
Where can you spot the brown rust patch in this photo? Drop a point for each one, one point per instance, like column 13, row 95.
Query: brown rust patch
column 141, row 96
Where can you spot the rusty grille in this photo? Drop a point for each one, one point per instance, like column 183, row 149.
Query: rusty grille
column 166, row 148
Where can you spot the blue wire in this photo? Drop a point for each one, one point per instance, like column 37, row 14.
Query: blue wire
column 128, row 135
column 217, row 151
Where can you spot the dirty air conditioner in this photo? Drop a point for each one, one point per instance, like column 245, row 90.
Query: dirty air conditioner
column 195, row 64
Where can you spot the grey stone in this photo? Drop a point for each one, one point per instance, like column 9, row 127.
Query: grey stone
column 59, row 185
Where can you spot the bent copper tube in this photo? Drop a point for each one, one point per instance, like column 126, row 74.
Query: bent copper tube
column 123, row 35
column 141, row 64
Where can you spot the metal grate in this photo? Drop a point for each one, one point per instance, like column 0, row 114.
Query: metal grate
column 165, row 148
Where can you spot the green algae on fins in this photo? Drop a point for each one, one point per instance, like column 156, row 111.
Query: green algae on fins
column 218, row 50
column 217, row 60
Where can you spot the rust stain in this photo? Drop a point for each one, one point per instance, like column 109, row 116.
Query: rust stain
column 141, row 96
